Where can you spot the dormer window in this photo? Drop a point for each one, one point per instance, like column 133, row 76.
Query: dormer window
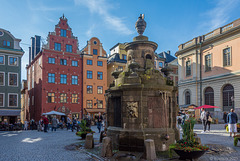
column 63, row 33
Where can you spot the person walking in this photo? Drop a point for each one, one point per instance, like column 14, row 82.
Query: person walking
column 204, row 119
column 68, row 123
column 25, row 125
column 225, row 117
column 45, row 122
column 209, row 120
column 54, row 123
column 99, row 121
column 232, row 119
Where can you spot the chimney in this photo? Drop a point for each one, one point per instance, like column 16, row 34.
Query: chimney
column 168, row 52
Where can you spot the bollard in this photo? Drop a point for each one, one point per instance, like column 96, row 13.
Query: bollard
column 89, row 142
column 150, row 149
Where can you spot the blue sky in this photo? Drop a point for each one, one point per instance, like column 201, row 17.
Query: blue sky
column 169, row 22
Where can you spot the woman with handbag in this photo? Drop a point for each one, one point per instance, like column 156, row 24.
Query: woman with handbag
column 209, row 120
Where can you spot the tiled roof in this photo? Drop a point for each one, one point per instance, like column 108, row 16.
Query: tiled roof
column 115, row 58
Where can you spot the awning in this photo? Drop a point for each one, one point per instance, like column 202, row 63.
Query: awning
column 96, row 110
column 10, row 112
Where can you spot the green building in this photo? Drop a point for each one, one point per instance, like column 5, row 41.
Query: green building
column 10, row 77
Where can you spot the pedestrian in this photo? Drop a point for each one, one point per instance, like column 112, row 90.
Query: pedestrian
column 209, row 120
column 99, row 121
column 179, row 120
column 88, row 120
column 68, row 123
column 232, row 119
column 54, row 123
column 40, row 125
column 225, row 117
column 185, row 117
column 25, row 125
column 74, row 123
column 32, row 122
column 204, row 119
column 45, row 122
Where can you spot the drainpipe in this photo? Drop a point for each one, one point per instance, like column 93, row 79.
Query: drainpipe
column 201, row 72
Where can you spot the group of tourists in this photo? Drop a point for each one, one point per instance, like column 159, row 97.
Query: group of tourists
column 230, row 118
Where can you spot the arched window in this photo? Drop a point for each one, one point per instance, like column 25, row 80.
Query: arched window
column 209, row 97
column 187, row 98
column 228, row 97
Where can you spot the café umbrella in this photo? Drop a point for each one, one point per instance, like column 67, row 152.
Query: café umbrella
column 54, row 113
column 206, row 106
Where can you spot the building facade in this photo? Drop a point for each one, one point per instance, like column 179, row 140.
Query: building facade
column 54, row 76
column 209, row 70
column 10, row 77
column 94, row 76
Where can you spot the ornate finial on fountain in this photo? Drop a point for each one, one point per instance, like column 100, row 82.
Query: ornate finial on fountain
column 140, row 24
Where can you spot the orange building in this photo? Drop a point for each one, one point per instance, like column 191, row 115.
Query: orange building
column 94, row 76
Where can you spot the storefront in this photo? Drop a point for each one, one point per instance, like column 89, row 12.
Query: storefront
column 9, row 116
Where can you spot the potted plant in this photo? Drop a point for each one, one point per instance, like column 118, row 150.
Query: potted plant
column 187, row 147
column 84, row 130
column 236, row 139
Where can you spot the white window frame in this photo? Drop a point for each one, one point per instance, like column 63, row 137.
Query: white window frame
column 9, row 61
column 3, row 99
column 9, row 79
column 3, row 59
column 8, row 99
column 3, row 78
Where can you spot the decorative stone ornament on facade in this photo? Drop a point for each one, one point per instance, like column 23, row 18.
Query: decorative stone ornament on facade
column 132, row 108
column 140, row 24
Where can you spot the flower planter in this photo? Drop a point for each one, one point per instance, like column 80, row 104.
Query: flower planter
column 189, row 155
column 83, row 136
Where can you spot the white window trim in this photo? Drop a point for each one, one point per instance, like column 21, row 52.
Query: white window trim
column 8, row 99
column 230, row 56
column 3, row 59
column 9, row 61
column 3, row 99
column 9, row 79
column 3, row 78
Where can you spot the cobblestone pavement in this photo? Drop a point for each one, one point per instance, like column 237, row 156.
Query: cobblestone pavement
column 219, row 136
column 39, row 146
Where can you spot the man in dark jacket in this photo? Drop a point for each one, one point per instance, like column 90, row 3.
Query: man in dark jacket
column 45, row 122
column 99, row 121
column 232, row 122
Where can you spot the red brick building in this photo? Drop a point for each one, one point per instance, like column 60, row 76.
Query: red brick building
column 55, row 75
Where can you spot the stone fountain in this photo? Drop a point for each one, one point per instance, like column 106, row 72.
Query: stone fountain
column 140, row 105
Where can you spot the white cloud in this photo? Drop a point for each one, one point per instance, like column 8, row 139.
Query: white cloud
column 101, row 7
column 89, row 32
column 220, row 14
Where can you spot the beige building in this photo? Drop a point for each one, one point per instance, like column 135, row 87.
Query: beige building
column 209, row 69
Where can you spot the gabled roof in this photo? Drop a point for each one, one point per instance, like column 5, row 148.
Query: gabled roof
column 167, row 56
column 115, row 58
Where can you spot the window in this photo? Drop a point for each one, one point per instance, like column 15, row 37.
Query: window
column 74, row 98
column 120, row 68
column 6, row 43
column 99, row 89
column 74, row 63
column 89, row 74
column 89, row 103
column 89, row 89
column 1, row 99
column 160, row 64
column 89, row 62
column 63, row 79
column 99, row 63
column 227, row 57
column 51, row 78
column 124, row 56
column 95, row 42
column 68, row 48
column 94, row 51
column 188, row 68
column 12, row 100
column 1, row 60
column 209, row 97
column 57, row 46
column 51, row 97
column 63, row 61
column 51, row 60
column 13, row 61
column 2, row 79
column 63, row 33
column 208, row 63
column 228, row 97
column 100, row 104
column 63, row 98
column 187, row 98
column 74, row 79
column 13, row 79
column 99, row 75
